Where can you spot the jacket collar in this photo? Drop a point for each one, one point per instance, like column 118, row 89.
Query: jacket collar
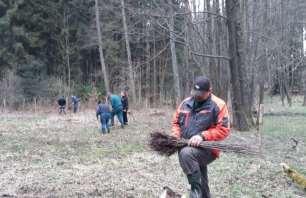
column 191, row 102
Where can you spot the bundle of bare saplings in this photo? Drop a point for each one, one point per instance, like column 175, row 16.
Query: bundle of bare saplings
column 167, row 145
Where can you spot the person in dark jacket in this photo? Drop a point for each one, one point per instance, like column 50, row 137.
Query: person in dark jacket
column 201, row 117
column 125, row 106
column 103, row 111
column 75, row 103
column 117, row 109
column 62, row 105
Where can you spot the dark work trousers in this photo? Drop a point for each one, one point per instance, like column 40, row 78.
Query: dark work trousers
column 119, row 114
column 62, row 109
column 196, row 159
column 125, row 118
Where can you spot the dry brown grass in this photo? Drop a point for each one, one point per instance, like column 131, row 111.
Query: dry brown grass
column 46, row 155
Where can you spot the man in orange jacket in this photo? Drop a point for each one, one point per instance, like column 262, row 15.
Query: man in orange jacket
column 201, row 117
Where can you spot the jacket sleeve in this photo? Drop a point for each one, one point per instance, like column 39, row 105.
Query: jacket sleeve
column 98, row 112
column 221, row 129
column 176, row 129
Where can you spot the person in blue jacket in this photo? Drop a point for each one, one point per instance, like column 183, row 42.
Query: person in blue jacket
column 117, row 108
column 103, row 111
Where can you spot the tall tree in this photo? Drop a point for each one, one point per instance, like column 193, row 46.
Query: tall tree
column 128, row 51
column 242, row 117
column 304, row 87
column 176, row 78
column 102, row 61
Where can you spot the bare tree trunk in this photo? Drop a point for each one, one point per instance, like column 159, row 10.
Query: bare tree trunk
column 218, row 87
column 252, row 49
column 35, row 104
column 67, row 50
column 262, row 77
column 304, row 87
column 264, row 63
column 148, row 68
column 188, row 18
column 139, row 83
column 224, row 67
column 128, row 50
column 289, row 100
column 213, row 70
column 242, row 118
column 205, row 63
column 154, row 71
column 162, row 81
column 284, row 73
column 176, row 78
column 4, row 104
column 103, row 67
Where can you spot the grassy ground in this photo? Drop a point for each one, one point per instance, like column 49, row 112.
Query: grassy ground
column 46, row 155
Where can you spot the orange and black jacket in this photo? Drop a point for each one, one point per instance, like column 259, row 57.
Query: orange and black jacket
column 210, row 120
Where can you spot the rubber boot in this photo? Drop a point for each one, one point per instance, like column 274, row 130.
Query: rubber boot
column 195, row 182
column 205, row 187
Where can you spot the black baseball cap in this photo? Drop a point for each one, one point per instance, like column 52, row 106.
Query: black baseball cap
column 201, row 84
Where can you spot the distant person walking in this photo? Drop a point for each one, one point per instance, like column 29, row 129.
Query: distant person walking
column 117, row 109
column 75, row 103
column 62, row 105
column 103, row 111
column 125, row 106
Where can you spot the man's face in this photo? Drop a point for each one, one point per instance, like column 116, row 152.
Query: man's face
column 203, row 96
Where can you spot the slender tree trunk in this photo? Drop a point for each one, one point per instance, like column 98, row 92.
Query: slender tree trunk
column 242, row 118
column 264, row 63
column 176, row 78
column 154, row 71
column 224, row 67
column 261, row 79
column 66, row 22
column 128, row 50
column 284, row 73
column 205, row 62
column 218, row 31
column 187, row 68
column 148, row 68
column 252, row 47
column 304, row 87
column 162, row 81
column 286, row 86
column 139, row 83
column 213, row 70
column 103, row 67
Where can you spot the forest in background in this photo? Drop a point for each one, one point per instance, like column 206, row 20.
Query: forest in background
column 153, row 47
